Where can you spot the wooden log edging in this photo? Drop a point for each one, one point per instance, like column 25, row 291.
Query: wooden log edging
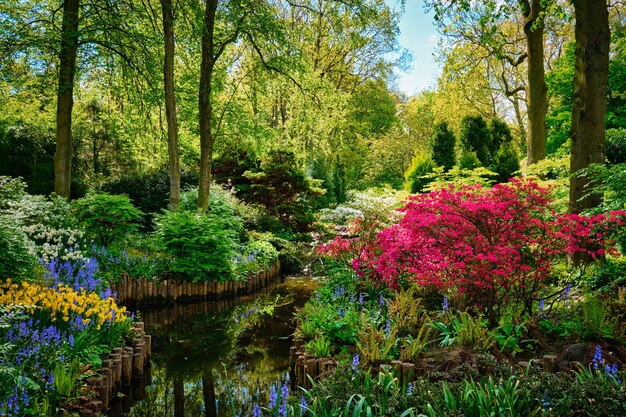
column 304, row 367
column 143, row 291
column 118, row 370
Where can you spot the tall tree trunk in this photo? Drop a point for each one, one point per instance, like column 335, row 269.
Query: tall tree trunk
column 205, row 107
column 532, row 11
column 179, row 397
column 589, row 105
column 170, row 104
column 65, row 98
column 208, row 392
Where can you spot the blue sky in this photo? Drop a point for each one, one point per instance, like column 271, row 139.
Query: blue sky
column 418, row 35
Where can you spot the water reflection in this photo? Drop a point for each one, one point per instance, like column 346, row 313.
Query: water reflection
column 219, row 358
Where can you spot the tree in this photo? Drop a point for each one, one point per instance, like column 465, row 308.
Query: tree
column 481, row 23
column 170, row 103
column 65, row 98
column 533, row 13
column 592, row 33
column 442, row 146
column 475, row 137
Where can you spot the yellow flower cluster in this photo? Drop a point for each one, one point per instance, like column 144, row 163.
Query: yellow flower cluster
column 62, row 301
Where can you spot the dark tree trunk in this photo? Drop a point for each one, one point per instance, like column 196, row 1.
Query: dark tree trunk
column 65, row 98
column 532, row 11
column 179, row 398
column 589, row 104
column 208, row 392
column 204, row 105
column 170, row 104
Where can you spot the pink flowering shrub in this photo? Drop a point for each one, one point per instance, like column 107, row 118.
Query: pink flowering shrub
column 357, row 242
column 489, row 246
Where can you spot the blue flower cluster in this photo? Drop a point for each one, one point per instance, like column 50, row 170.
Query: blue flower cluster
column 32, row 348
column 77, row 274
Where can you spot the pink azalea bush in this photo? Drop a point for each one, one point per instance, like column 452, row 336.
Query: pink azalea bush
column 491, row 247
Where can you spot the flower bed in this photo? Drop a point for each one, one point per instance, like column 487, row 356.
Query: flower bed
column 54, row 338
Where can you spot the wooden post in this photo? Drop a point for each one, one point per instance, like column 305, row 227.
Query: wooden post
column 148, row 344
column 127, row 367
column 549, row 363
column 137, row 363
column 300, row 374
column 311, row 370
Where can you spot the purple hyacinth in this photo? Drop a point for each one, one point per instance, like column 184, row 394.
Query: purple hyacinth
column 355, row 362
column 273, row 396
column 597, row 358
column 303, row 406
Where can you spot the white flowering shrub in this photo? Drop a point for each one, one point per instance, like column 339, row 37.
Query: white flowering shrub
column 340, row 215
column 47, row 221
column 374, row 204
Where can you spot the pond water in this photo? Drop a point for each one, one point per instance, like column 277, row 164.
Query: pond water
column 216, row 358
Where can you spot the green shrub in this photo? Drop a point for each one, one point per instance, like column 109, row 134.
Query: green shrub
column 415, row 176
column 201, row 247
column 468, row 160
column 11, row 189
column 500, row 135
column 15, row 259
column 105, row 217
column 149, row 192
column 616, row 146
column 255, row 255
column 475, row 137
column 442, row 146
column 505, row 162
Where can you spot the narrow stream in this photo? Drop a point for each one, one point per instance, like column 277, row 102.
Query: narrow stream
column 216, row 358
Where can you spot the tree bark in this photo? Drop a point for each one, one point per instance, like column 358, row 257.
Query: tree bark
column 65, row 98
column 208, row 392
column 593, row 35
column 532, row 10
column 179, row 398
column 170, row 104
column 205, row 107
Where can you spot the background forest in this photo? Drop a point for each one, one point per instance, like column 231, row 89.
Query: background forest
column 307, row 82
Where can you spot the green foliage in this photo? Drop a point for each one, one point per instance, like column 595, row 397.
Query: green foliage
column 442, row 146
column 468, row 160
column 473, row 333
column 500, row 135
column 11, row 189
column 475, row 137
column 415, row 176
column 616, row 146
column 320, row 347
column 148, row 191
column 376, row 345
column 458, row 177
column 27, row 151
column 605, row 276
column 502, row 397
column 201, row 247
column 448, row 330
column 284, row 190
column 509, row 337
column 16, row 261
column 255, row 255
column 107, row 218
column 593, row 321
column 505, row 163
column 561, row 90
column 553, row 172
